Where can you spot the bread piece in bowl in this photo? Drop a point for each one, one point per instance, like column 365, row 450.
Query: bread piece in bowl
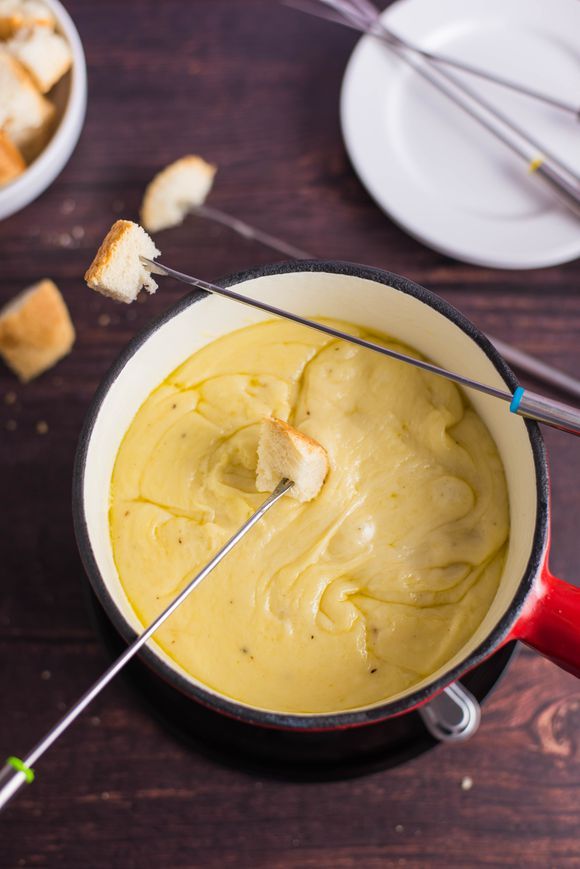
column 11, row 160
column 35, row 330
column 283, row 451
column 25, row 114
column 15, row 14
column 176, row 190
column 45, row 55
column 117, row 271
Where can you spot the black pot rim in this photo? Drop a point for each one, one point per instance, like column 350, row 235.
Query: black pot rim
column 348, row 718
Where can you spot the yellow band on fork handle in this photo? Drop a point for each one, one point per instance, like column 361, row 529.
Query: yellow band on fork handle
column 536, row 162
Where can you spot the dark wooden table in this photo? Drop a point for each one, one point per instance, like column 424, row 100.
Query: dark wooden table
column 255, row 89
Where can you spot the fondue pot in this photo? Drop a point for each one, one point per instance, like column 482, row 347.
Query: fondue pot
column 530, row 605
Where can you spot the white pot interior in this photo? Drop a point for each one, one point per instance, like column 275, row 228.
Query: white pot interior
column 314, row 294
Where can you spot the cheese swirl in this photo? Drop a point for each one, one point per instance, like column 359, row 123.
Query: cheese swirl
column 335, row 604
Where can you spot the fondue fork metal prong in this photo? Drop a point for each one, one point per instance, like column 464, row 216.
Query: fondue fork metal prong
column 522, row 402
column 251, row 232
column 17, row 772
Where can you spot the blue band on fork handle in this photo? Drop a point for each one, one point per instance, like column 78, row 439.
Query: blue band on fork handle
column 517, row 399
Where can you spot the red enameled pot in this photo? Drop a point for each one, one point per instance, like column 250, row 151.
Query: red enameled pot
column 531, row 605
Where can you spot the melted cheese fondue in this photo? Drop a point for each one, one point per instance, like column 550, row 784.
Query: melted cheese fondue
column 331, row 605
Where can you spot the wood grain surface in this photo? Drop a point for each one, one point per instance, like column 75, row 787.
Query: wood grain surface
column 254, row 88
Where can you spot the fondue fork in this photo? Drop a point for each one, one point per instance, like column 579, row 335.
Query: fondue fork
column 17, row 772
column 355, row 14
column 522, row 402
column 250, row 232
column 560, row 178
column 538, row 369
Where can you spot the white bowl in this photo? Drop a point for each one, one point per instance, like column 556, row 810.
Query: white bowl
column 70, row 97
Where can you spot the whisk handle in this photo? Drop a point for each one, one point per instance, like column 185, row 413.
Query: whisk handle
column 13, row 775
column 546, row 410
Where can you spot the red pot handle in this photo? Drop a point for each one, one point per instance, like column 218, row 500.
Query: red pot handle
column 552, row 625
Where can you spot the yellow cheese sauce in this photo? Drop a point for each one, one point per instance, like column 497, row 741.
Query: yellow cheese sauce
column 331, row 605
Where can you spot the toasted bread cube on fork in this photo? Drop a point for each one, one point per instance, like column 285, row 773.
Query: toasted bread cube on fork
column 283, row 451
